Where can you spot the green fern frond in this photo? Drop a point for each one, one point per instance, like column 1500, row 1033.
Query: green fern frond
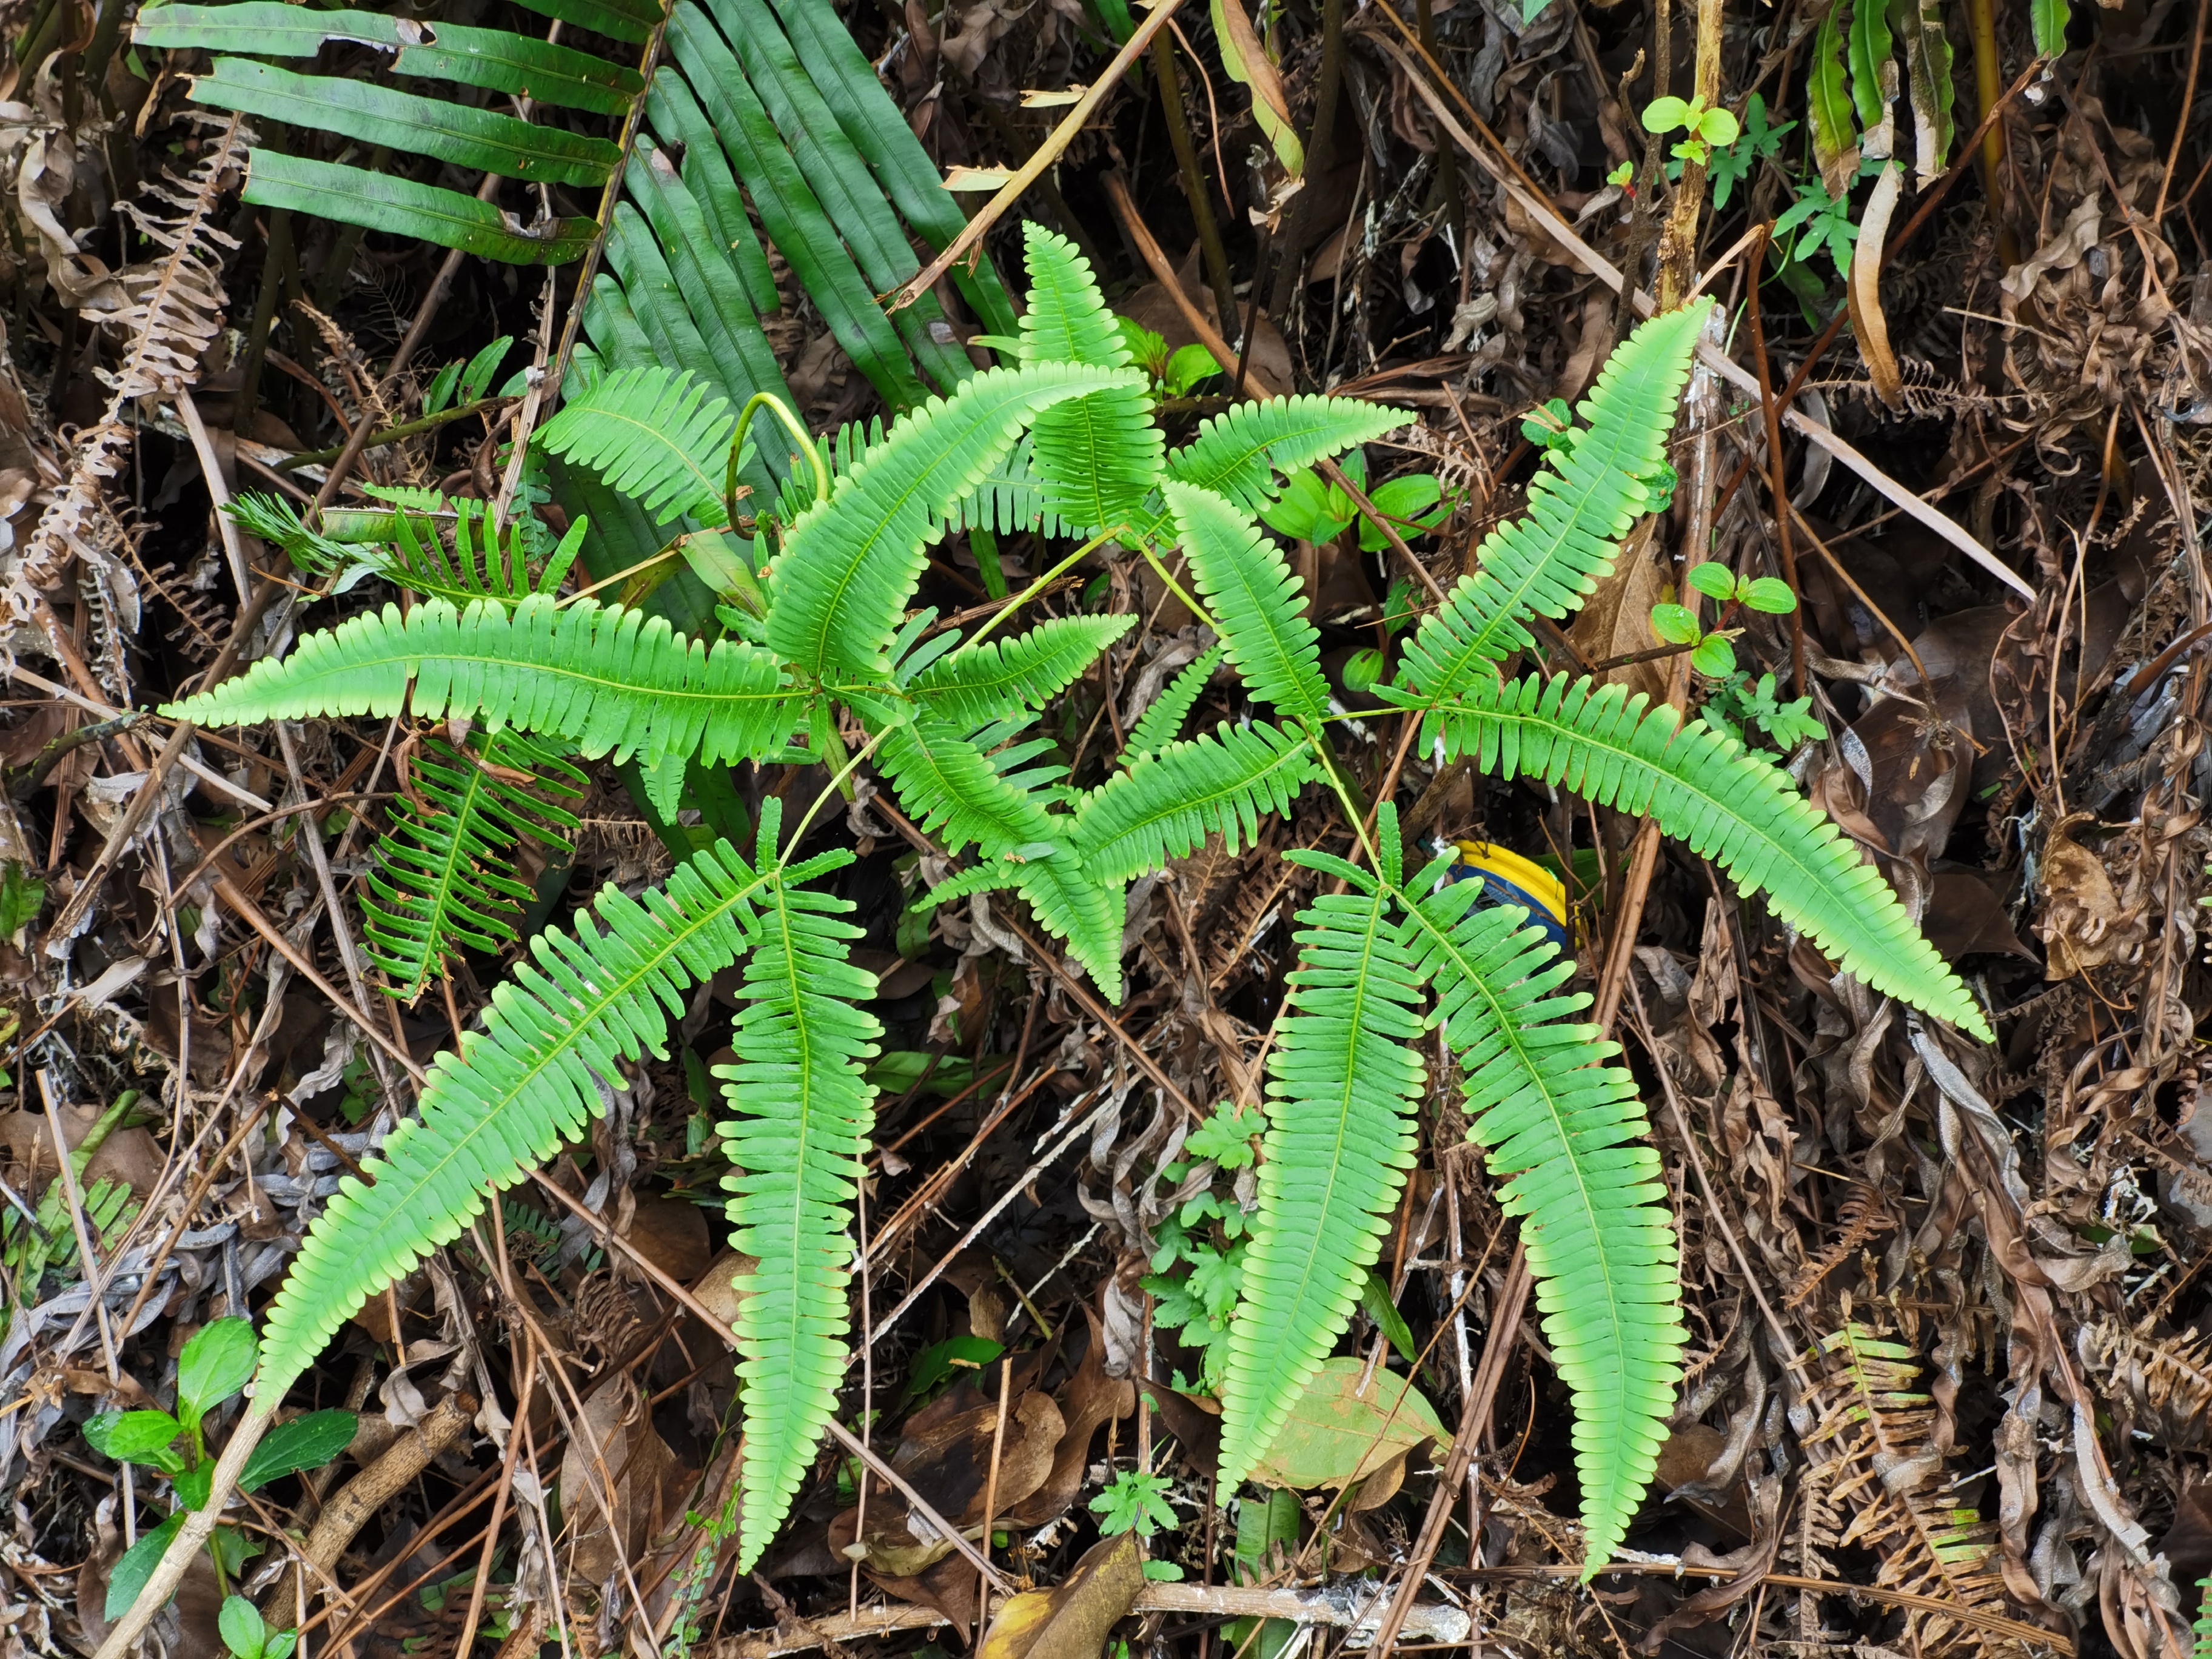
column 608, row 679
column 1068, row 321
column 803, row 1116
column 1238, row 453
column 582, row 1004
column 1168, row 803
column 1589, row 1194
column 436, row 881
column 1078, row 905
column 1099, row 456
column 977, row 684
column 849, row 565
column 1163, row 716
column 1583, row 501
column 1010, row 496
column 1340, row 1139
column 1727, row 804
column 946, row 783
column 1255, row 600
column 658, row 435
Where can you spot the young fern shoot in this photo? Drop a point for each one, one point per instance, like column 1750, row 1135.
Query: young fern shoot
column 1065, row 440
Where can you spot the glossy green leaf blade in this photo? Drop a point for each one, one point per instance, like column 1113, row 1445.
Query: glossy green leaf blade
column 802, row 1115
column 609, row 679
column 1340, row 1139
column 848, row 82
column 400, row 207
column 266, row 28
column 789, row 210
column 619, row 20
column 1581, row 503
column 481, row 139
column 676, row 121
column 849, row 565
column 586, row 1001
column 1727, row 804
column 840, row 180
column 2049, row 18
column 1589, row 1194
column 1828, row 105
column 498, row 60
column 1256, row 599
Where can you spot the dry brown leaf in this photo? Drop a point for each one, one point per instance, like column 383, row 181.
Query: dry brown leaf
column 1072, row 1621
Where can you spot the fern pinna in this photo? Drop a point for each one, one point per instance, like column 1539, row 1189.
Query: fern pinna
column 820, row 648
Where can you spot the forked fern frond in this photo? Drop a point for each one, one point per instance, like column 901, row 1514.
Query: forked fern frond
column 1168, row 803
column 977, row 684
column 803, row 1116
column 658, row 435
column 1240, row 452
column 1581, row 503
column 1569, row 1132
column 1163, row 716
column 438, row 882
column 1340, row 1138
column 1257, row 601
column 608, row 680
column 849, row 562
column 583, row 1003
column 1707, row 790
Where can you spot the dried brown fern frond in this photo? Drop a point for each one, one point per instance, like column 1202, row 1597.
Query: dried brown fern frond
column 1862, row 1218
column 2167, row 1380
column 1873, row 1483
column 172, row 308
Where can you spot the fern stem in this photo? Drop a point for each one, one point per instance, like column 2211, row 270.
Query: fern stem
column 837, row 783
column 1176, row 587
column 807, row 447
column 1044, row 581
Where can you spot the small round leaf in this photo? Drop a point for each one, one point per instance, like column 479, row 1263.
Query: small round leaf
column 1674, row 623
column 1771, row 594
column 1718, row 126
column 1712, row 578
column 1665, row 114
column 1715, row 656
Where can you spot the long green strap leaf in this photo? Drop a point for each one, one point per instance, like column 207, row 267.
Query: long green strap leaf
column 400, row 207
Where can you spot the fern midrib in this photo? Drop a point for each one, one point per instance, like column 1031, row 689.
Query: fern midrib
column 1291, row 756
column 1516, row 597
column 794, row 1334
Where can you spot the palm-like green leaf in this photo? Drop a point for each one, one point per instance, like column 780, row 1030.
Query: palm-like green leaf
column 401, row 207
column 1549, row 562
column 849, row 562
column 1728, row 804
column 1340, row 1139
column 1592, row 1203
column 656, row 435
column 1167, row 803
column 804, row 1113
column 977, row 684
column 1239, row 451
column 1255, row 600
column 1163, row 716
column 585, row 1002
column 608, row 679
column 438, row 882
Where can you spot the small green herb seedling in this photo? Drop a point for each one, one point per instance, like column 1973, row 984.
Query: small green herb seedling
column 246, row 1636
column 1136, row 1502
column 1705, row 130
column 1732, row 164
column 1205, row 1239
column 1711, row 652
column 1315, row 511
column 216, row 1363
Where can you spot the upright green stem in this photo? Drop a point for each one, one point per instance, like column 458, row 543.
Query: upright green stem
column 1041, row 582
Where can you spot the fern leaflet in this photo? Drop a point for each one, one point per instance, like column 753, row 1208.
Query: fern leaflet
column 1256, row 599
column 610, row 680
column 979, row 683
column 1163, row 716
column 1340, row 1139
column 1729, row 805
column 804, row 1113
column 1580, row 505
column 1238, row 453
column 1592, row 1204
column 584, row 1002
column 436, row 885
column 1167, row 803
column 849, row 562
column 658, row 435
